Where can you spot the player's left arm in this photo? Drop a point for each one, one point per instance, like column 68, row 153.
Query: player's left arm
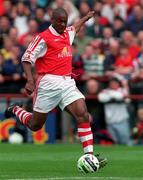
column 36, row 49
column 81, row 22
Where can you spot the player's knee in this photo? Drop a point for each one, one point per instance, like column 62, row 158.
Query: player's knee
column 83, row 117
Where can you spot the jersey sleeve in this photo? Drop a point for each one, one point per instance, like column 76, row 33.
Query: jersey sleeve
column 36, row 49
column 71, row 31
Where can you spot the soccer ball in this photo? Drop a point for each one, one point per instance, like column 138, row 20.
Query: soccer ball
column 15, row 138
column 88, row 163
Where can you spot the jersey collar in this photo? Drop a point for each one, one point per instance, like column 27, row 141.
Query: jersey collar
column 53, row 31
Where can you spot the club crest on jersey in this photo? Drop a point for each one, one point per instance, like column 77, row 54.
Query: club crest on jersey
column 66, row 52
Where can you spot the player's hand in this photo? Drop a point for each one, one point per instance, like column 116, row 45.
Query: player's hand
column 29, row 87
column 90, row 14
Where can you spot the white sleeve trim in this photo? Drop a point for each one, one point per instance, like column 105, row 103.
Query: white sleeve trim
column 71, row 32
column 32, row 54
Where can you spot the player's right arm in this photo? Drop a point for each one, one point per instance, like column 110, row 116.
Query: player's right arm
column 36, row 49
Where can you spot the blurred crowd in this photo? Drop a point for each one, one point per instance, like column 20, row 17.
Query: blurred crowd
column 107, row 57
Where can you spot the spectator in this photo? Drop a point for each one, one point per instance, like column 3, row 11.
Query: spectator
column 21, row 16
column 32, row 31
column 93, row 61
column 48, row 13
column 129, row 40
column 7, row 48
column 124, row 62
column 138, row 61
column 107, row 10
column 140, row 36
column 92, row 87
column 118, row 27
column 98, row 5
column 40, row 18
column 129, row 3
column 82, row 40
column 26, row 42
column 83, row 10
column 135, row 24
column 111, row 57
column 12, row 67
column 95, row 30
column 103, row 20
column 107, row 37
column 116, row 113
column 136, row 87
column 13, row 35
column 78, row 2
column 8, row 8
column 89, row 62
column 111, row 9
column 136, row 83
column 99, row 56
column 4, row 25
column 32, row 6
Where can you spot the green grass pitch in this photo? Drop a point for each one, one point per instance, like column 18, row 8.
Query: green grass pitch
column 58, row 162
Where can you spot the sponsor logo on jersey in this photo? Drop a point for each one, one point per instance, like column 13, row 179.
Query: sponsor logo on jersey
column 56, row 40
column 66, row 52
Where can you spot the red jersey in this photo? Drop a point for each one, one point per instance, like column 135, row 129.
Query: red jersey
column 51, row 52
column 125, row 61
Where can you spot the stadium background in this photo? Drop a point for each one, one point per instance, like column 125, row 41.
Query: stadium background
column 109, row 46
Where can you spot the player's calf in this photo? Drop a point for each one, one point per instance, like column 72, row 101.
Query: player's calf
column 20, row 113
column 86, row 137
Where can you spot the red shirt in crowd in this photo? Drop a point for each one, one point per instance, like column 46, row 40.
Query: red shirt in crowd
column 124, row 61
column 130, row 3
column 134, row 50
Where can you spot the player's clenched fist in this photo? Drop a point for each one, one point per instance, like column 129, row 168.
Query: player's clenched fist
column 90, row 14
column 29, row 87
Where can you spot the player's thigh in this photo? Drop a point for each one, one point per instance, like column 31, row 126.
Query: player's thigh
column 39, row 118
column 77, row 108
column 47, row 95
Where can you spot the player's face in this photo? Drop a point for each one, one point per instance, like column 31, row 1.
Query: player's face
column 60, row 23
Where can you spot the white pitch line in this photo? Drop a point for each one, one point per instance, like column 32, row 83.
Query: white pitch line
column 87, row 178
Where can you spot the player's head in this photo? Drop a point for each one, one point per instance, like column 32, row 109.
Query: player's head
column 59, row 20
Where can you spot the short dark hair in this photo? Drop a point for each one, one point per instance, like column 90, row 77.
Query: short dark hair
column 58, row 11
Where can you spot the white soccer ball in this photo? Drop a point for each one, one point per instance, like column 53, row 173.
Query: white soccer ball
column 15, row 138
column 88, row 163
